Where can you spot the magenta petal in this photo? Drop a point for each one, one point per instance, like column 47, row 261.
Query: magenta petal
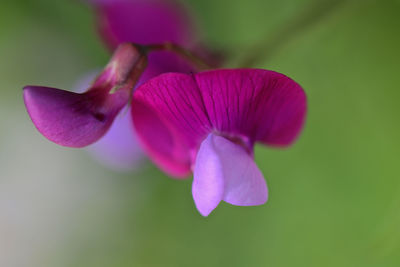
column 174, row 112
column 67, row 118
column 77, row 120
column 208, row 177
column 225, row 171
column 261, row 105
column 143, row 21
column 170, row 121
column 118, row 149
column 164, row 61
column 151, row 21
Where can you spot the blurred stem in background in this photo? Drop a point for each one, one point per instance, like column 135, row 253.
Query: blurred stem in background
column 266, row 48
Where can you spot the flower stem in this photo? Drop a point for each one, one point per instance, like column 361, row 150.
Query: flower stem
column 182, row 52
column 266, row 48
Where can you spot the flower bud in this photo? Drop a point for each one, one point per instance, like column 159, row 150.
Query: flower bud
column 77, row 120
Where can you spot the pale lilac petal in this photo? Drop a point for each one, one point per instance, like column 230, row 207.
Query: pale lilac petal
column 77, row 120
column 208, row 177
column 225, row 171
column 244, row 184
column 119, row 149
column 262, row 105
column 170, row 120
column 143, row 21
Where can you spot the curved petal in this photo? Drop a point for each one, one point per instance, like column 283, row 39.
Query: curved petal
column 174, row 112
column 67, row 118
column 261, row 105
column 143, row 21
column 77, row 120
column 170, row 121
column 225, row 171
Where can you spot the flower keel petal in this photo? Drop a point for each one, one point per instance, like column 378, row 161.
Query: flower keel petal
column 225, row 171
column 244, row 183
column 208, row 178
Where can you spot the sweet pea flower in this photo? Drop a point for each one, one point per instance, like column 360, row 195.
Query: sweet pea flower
column 209, row 122
column 143, row 22
column 80, row 119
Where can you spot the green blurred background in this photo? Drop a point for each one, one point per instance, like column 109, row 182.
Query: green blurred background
column 334, row 196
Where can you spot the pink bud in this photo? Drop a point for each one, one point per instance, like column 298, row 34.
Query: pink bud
column 77, row 120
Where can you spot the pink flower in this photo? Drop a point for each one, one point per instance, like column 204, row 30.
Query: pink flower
column 209, row 122
column 206, row 123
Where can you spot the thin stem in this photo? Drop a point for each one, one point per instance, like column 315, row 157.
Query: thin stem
column 268, row 47
column 182, row 52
